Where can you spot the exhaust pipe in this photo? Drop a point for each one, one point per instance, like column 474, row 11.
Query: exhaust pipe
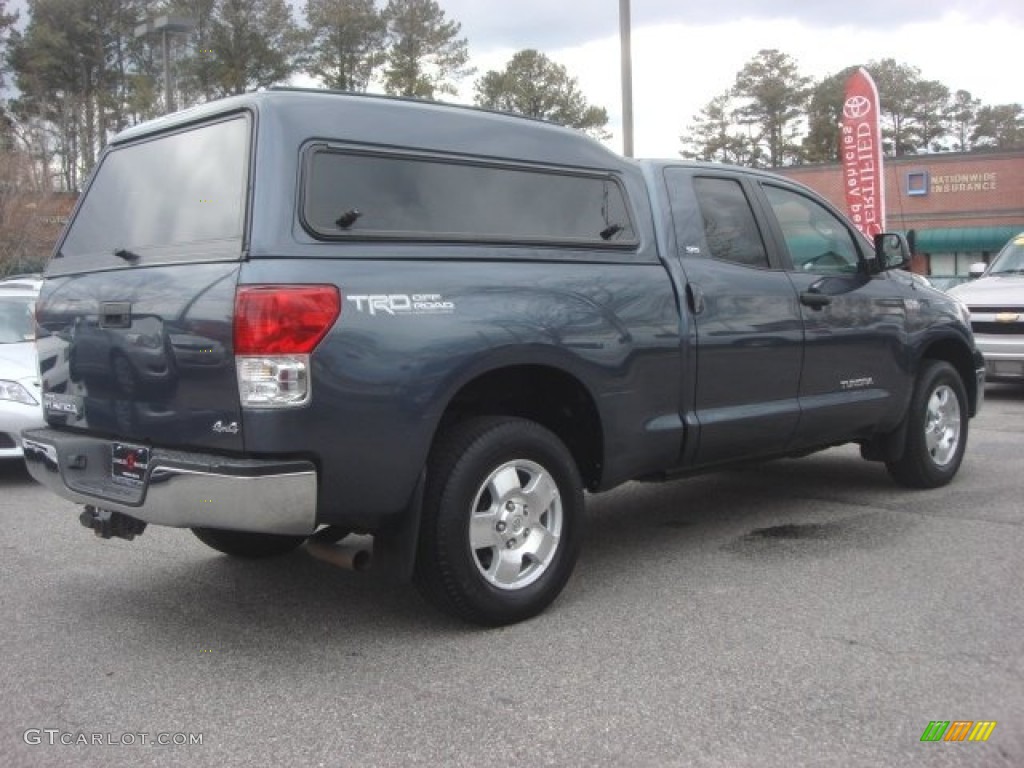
column 351, row 557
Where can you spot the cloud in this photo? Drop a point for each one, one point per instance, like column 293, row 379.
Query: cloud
column 685, row 53
column 677, row 68
column 551, row 24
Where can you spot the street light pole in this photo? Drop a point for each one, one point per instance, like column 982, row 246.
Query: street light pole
column 166, row 26
column 168, row 92
column 625, row 35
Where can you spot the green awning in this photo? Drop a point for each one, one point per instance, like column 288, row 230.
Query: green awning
column 965, row 239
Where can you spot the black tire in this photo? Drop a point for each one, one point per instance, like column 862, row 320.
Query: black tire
column 246, row 544
column 936, row 429
column 526, row 556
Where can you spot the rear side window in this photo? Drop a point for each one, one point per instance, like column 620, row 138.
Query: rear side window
column 729, row 225
column 151, row 198
column 357, row 195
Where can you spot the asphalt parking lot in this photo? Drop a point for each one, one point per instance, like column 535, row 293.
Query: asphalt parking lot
column 802, row 613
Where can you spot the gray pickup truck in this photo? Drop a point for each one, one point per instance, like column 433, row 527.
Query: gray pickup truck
column 296, row 315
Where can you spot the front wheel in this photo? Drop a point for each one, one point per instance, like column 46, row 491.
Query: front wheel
column 502, row 520
column 247, row 544
column 936, row 429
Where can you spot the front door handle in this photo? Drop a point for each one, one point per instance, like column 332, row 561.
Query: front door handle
column 815, row 300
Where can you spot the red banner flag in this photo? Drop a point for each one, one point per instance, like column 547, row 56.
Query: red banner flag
column 860, row 147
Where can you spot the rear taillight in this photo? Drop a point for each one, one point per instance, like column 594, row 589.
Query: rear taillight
column 276, row 328
column 283, row 319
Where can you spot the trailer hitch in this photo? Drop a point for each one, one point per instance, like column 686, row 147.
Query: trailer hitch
column 107, row 524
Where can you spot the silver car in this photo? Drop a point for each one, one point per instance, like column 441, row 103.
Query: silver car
column 20, row 398
column 996, row 302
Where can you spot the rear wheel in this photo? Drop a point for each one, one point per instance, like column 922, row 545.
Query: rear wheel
column 246, row 544
column 502, row 520
column 936, row 429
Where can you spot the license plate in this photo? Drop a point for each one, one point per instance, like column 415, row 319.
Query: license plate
column 129, row 463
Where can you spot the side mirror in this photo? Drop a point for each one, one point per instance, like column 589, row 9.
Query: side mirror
column 891, row 251
column 977, row 270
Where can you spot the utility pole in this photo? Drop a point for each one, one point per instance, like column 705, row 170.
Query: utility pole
column 625, row 35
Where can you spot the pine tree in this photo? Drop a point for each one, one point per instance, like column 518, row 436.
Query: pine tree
column 425, row 54
column 532, row 84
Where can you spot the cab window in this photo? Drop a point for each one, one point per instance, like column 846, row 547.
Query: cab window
column 817, row 239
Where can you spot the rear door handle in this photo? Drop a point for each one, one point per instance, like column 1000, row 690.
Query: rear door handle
column 815, row 300
column 696, row 298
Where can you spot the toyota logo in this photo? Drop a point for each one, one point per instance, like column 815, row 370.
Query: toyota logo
column 856, row 106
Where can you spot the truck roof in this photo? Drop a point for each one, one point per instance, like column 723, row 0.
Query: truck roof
column 395, row 121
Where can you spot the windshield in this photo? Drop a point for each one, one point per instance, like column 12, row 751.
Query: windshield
column 1010, row 260
column 16, row 319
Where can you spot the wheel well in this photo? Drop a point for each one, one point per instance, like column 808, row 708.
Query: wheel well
column 550, row 397
column 957, row 355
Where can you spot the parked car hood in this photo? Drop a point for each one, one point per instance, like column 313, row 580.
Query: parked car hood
column 1002, row 291
column 17, row 360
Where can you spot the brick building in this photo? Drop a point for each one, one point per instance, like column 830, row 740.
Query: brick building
column 962, row 206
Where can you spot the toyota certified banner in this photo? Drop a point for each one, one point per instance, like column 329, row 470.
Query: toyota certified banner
column 860, row 146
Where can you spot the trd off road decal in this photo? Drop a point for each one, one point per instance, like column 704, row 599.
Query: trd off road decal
column 396, row 304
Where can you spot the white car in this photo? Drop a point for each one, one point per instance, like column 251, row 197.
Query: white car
column 996, row 302
column 20, row 395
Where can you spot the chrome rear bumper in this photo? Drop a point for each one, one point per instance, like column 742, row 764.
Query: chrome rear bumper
column 180, row 489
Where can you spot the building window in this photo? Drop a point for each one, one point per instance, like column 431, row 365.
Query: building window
column 917, row 183
column 943, row 264
column 954, row 264
column 964, row 261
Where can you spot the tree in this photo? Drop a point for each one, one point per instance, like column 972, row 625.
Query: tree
column 425, row 54
column 534, row 85
column 7, row 21
column 346, row 37
column 195, row 64
column 999, row 127
column 916, row 114
column 51, row 70
column 932, row 115
column 774, row 95
column 963, row 114
column 253, row 44
column 74, row 67
column 714, row 135
column 913, row 110
column 824, row 115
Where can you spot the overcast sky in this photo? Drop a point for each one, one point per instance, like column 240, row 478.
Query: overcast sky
column 686, row 52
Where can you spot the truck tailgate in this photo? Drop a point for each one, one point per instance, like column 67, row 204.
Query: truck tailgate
column 143, row 354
